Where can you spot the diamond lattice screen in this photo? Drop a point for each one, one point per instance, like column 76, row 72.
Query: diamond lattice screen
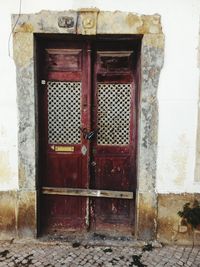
column 114, row 102
column 64, row 113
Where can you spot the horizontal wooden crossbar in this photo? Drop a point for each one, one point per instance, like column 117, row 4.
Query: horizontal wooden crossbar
column 86, row 192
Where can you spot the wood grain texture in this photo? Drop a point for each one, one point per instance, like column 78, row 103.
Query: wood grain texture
column 93, row 185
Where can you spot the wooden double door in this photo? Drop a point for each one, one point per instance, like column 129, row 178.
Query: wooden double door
column 87, row 135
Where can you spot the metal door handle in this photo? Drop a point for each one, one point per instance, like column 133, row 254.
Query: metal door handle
column 89, row 135
column 92, row 134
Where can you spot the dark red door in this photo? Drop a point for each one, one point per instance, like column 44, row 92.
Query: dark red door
column 87, row 119
column 114, row 114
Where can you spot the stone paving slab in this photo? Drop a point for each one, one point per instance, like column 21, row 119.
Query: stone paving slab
column 36, row 253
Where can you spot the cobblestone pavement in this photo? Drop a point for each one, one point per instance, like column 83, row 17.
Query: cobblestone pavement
column 66, row 254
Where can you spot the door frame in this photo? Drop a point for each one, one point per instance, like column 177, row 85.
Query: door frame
column 90, row 22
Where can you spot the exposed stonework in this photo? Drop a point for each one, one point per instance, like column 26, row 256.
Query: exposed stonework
column 169, row 230
column 91, row 22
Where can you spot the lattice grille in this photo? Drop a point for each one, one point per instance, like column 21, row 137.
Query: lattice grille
column 64, row 113
column 114, row 113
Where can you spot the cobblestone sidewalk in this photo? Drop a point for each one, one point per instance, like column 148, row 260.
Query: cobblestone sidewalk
column 65, row 254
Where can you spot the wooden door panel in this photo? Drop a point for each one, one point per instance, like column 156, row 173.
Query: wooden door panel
column 63, row 212
column 115, row 172
column 114, row 216
column 61, row 109
column 64, row 59
column 87, row 86
column 114, row 61
column 64, row 171
column 114, row 148
column 113, row 210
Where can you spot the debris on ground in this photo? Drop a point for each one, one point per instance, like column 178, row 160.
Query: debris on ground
column 107, row 250
column 76, row 244
column 147, row 247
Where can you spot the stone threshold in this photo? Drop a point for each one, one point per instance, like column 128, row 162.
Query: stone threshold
column 94, row 239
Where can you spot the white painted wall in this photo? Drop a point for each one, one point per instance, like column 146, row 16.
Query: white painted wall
column 177, row 94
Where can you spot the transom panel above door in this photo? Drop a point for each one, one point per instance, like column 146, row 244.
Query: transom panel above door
column 88, row 125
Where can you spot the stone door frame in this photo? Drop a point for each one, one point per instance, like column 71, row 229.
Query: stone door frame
column 90, row 22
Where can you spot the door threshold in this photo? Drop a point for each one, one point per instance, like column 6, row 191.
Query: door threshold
column 93, row 239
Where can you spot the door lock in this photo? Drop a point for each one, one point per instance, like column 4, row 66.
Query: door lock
column 89, row 135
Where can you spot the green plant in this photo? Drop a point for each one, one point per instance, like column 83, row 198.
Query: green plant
column 191, row 213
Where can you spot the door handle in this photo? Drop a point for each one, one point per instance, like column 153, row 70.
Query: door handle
column 89, row 135
column 92, row 134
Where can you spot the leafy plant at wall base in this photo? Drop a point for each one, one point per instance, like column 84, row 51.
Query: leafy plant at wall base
column 191, row 213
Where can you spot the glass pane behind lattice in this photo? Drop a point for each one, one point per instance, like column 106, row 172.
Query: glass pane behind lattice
column 64, row 113
column 114, row 101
